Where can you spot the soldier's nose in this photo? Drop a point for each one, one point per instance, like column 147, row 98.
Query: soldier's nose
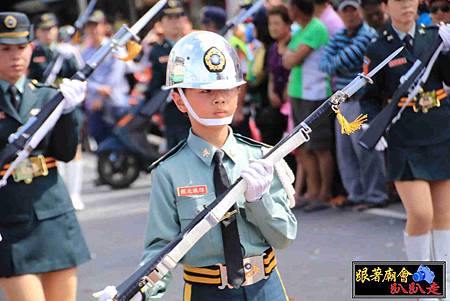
column 219, row 100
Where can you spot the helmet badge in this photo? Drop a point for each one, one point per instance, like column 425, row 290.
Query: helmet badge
column 214, row 60
column 10, row 22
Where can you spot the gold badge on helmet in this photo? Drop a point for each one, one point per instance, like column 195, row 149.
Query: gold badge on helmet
column 214, row 60
column 10, row 22
column 172, row 3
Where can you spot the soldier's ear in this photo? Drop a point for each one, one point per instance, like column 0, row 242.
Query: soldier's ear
column 178, row 101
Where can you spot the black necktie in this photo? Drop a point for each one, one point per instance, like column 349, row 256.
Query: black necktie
column 15, row 101
column 230, row 235
column 408, row 42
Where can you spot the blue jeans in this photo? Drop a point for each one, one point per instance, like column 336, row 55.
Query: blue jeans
column 362, row 172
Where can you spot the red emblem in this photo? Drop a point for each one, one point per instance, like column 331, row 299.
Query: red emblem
column 2, row 115
column 39, row 59
column 397, row 62
column 192, row 190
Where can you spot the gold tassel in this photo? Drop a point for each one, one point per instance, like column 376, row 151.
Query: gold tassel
column 133, row 49
column 349, row 127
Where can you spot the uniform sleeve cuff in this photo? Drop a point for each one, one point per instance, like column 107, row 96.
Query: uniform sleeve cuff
column 260, row 208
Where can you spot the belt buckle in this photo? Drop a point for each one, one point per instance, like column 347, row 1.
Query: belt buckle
column 426, row 101
column 254, row 270
column 223, row 277
column 30, row 168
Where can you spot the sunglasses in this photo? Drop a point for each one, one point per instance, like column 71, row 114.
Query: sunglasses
column 443, row 8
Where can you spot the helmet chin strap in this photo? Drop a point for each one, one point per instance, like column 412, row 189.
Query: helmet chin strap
column 204, row 121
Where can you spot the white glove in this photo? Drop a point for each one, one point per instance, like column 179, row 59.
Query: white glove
column 74, row 92
column 107, row 294
column 66, row 50
column 444, row 32
column 258, row 176
column 381, row 144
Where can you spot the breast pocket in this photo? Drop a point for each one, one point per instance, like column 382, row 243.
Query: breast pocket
column 189, row 207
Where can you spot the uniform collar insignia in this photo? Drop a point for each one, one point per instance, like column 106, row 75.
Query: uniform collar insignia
column 2, row 115
column 206, row 152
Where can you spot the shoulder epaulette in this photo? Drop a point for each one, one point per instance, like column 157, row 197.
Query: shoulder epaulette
column 167, row 155
column 250, row 141
column 37, row 84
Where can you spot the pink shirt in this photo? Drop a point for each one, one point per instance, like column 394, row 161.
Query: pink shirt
column 331, row 20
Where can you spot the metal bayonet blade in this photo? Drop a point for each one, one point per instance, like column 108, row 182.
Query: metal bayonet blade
column 383, row 63
column 252, row 10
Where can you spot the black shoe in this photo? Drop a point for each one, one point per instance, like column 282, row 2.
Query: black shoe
column 366, row 206
column 316, row 205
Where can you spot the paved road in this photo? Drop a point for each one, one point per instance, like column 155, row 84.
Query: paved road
column 317, row 266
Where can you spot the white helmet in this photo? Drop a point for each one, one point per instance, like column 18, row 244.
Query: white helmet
column 203, row 60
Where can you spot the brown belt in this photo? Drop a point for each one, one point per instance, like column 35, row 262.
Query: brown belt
column 424, row 101
column 30, row 168
column 256, row 268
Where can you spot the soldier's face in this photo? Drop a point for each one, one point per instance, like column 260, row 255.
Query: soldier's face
column 47, row 35
column 209, row 103
column 172, row 25
column 402, row 11
column 14, row 61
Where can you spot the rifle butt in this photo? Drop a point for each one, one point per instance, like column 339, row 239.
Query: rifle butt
column 377, row 127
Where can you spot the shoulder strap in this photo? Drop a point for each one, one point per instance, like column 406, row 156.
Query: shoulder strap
column 167, row 155
column 250, row 141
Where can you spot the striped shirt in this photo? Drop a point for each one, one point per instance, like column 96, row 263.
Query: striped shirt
column 343, row 56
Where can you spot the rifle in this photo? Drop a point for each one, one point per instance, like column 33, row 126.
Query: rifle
column 55, row 65
column 155, row 269
column 241, row 17
column 22, row 142
column 410, row 84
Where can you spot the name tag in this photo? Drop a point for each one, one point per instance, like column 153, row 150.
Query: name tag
column 192, row 190
column 397, row 62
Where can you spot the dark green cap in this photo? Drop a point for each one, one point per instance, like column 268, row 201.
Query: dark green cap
column 173, row 7
column 46, row 21
column 15, row 28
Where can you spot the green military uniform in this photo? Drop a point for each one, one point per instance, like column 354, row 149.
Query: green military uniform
column 419, row 143
column 177, row 123
column 43, row 55
column 182, row 186
column 39, row 228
